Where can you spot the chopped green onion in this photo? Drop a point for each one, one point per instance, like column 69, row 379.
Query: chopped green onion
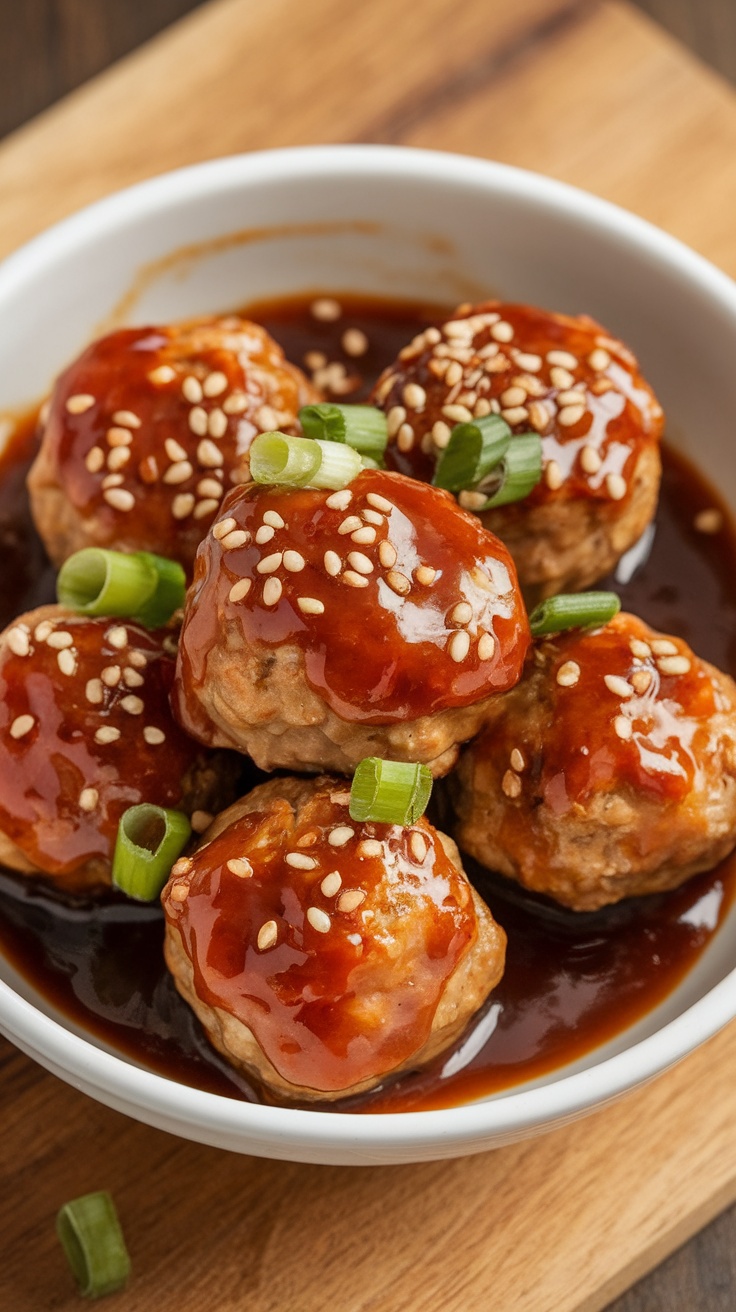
column 89, row 1232
column 573, row 610
column 136, row 585
column 472, row 452
column 363, row 427
column 300, row 462
column 150, row 838
column 393, row 792
column 521, row 470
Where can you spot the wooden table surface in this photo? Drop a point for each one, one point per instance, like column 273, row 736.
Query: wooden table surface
column 586, row 91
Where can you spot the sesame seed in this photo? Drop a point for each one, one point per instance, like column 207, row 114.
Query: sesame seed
column 590, row 460
column 273, row 519
column 364, row 536
column 333, row 563
column 394, row 419
column 209, row 455
column 299, row 861
column 360, row 562
column 88, row 799
column 235, row 404
column 269, row 564
column 511, row 784
column 148, row 469
column 517, row 761
column 174, row 449
column 553, row 475
column 310, row 605
column 513, row 396
column 132, row 704
column 198, row 421
column 239, row 538
column 481, row 579
column 112, row 480
column 182, row 866
column 331, row 884
column 563, row 358
column 398, row 582
column 209, row 487
column 441, row 434
column 379, row 502
column 153, row 735
column 354, row 342
column 201, row 820
column 18, row 641
column 414, row 396
column 708, row 521
column 503, row 332
column 294, row 561
column 568, row 674
column 215, row 383
column 349, row 525
column 94, row 459
column 641, row 680
column 118, row 638
column 81, row 401
column 622, row 728
column 135, row 657
column 119, row 498
column 207, row 507
column 264, row 534
column 272, row 590
column 418, row 845
column 223, row 528
column 462, row 613
column 372, row 517
column 192, row 389
column 673, row 664
column 59, row 639
column 599, row 359
column 616, row 486
column 118, row 457
column 453, row 373
column 326, row 309
column 162, row 374
column 526, row 360
column 459, row 414
column 354, row 580
column 570, row 415
column 179, row 892
column 405, row 437
column 620, row 687
column 127, row 418
column 107, row 734
column 486, row 646
column 459, row 645
column 217, row 423
column 561, row 378
column 387, row 554
column 340, row 500
column 239, row 590
column 370, row 847
column 179, row 472
column 516, row 415
column 319, row 920
column 423, row 574
column 472, row 500
column 351, row 899
column 182, row 505
column 21, row 725
column 573, row 397
column 67, row 662
column 267, row 935
column 240, row 866
column 340, row 835
column 639, row 648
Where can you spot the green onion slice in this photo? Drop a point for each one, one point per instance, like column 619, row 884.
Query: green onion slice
column 90, row 1234
column 362, row 427
column 150, row 838
column 278, row 458
column 136, row 585
column 472, row 452
column 393, row 792
column 573, row 610
column 521, row 470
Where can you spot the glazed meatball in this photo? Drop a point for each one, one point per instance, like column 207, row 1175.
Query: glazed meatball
column 325, row 627
column 149, row 426
column 564, row 378
column 85, row 732
column 609, row 771
column 322, row 955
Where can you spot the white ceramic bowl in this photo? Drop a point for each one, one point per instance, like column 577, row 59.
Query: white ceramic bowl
column 407, row 223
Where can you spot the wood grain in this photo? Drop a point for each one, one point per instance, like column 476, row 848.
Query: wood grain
column 586, row 91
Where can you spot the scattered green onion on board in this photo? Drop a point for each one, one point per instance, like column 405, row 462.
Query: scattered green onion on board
column 392, row 792
column 573, row 610
column 136, row 585
column 89, row 1232
column 150, row 838
column 485, row 456
column 362, row 427
column 279, row 458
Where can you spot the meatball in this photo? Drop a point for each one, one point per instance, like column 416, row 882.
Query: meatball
column 324, row 627
column 148, row 427
column 322, row 955
column 564, row 378
column 85, row 732
column 609, row 771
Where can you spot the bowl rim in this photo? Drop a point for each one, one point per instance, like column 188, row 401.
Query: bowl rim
column 506, row 1114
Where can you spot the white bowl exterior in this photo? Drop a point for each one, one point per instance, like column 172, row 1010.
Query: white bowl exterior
column 394, row 222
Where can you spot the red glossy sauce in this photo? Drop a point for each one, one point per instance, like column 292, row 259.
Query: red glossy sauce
column 572, row 981
column 338, row 1001
column 394, row 658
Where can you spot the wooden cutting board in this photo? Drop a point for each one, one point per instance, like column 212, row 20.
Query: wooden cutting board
column 588, row 92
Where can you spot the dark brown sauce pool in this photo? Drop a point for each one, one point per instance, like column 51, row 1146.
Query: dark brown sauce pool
column 572, row 981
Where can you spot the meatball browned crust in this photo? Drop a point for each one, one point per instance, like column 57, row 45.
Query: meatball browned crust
column 609, row 771
column 325, row 627
column 147, row 429
column 85, row 732
column 322, row 955
column 563, row 377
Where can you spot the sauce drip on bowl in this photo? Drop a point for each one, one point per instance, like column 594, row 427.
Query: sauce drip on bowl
column 572, row 981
